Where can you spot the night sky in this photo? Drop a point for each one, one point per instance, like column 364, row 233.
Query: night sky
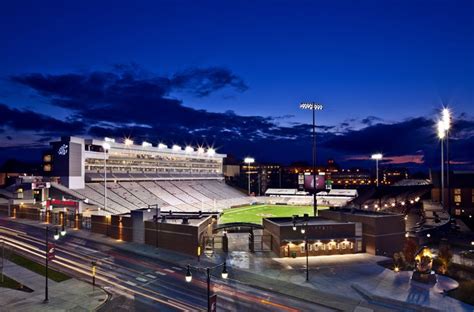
column 231, row 75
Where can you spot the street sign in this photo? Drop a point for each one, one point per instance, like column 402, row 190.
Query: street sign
column 213, row 302
column 51, row 251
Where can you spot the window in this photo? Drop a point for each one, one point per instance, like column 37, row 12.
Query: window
column 457, row 191
column 302, row 248
column 472, row 192
column 457, row 198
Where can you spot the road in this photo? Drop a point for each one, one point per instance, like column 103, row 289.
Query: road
column 150, row 285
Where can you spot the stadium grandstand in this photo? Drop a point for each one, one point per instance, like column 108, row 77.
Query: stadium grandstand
column 120, row 177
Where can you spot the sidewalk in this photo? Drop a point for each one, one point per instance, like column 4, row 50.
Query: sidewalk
column 69, row 295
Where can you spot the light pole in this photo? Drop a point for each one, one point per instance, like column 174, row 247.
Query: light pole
column 446, row 118
column 248, row 161
column 304, row 230
column 441, row 136
column 377, row 157
column 56, row 236
column 106, row 147
column 314, row 107
column 224, row 275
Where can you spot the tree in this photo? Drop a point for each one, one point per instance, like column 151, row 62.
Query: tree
column 445, row 257
column 409, row 251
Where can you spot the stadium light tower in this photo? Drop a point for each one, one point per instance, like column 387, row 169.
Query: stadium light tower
column 377, row 157
column 314, row 107
column 442, row 136
column 446, row 119
column 248, row 161
column 106, row 147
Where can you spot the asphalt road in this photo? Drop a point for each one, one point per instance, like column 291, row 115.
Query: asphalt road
column 146, row 284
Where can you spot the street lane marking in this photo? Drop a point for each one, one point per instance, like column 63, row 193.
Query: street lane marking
column 151, row 276
column 168, row 270
column 176, row 268
column 141, row 279
column 131, row 283
column 160, row 273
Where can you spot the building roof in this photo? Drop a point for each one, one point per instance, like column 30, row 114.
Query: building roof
column 288, row 221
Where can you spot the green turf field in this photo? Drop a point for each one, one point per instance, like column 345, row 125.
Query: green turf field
column 255, row 213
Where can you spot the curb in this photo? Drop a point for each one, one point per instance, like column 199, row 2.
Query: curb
column 388, row 302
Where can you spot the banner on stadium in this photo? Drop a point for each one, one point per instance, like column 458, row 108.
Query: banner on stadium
column 320, row 182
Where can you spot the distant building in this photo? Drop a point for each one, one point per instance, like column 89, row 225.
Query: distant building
column 393, row 175
column 461, row 190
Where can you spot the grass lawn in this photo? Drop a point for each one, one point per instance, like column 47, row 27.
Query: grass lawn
column 255, row 213
column 12, row 284
column 37, row 268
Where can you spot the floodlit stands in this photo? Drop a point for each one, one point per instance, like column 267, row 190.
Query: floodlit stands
column 187, row 196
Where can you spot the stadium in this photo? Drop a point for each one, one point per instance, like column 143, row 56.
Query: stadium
column 122, row 190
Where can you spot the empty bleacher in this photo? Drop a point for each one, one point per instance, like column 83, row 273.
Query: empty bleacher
column 181, row 195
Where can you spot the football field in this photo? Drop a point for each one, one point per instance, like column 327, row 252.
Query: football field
column 255, row 213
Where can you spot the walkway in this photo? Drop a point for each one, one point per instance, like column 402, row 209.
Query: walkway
column 69, row 295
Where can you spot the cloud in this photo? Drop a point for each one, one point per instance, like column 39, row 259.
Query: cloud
column 128, row 101
column 27, row 120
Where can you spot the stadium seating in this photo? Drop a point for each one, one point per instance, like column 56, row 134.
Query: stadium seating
column 178, row 195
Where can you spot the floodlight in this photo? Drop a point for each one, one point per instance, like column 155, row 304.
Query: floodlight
column 189, row 149
column 311, row 106
column 106, row 146
column 249, row 160
column 162, row 146
column 106, row 139
column 200, row 150
column 377, row 156
column 128, row 142
column 146, row 144
column 446, row 117
column 176, row 147
column 211, row 151
column 441, row 130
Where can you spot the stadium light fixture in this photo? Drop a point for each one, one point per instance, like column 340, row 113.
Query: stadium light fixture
column 249, row 160
column 162, row 146
column 311, row 106
column 441, row 130
column 106, row 146
column 211, row 151
column 176, row 148
column 146, row 144
column 106, row 139
column 200, row 150
column 377, row 157
column 446, row 118
column 189, row 149
column 128, row 142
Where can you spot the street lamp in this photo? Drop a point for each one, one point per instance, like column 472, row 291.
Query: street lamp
column 57, row 234
column 248, row 161
column 313, row 107
column 224, row 274
column 304, row 225
column 106, row 148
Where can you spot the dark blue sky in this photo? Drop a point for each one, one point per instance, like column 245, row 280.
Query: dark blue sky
column 394, row 61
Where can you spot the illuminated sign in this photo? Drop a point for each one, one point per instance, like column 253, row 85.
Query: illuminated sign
column 63, row 150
